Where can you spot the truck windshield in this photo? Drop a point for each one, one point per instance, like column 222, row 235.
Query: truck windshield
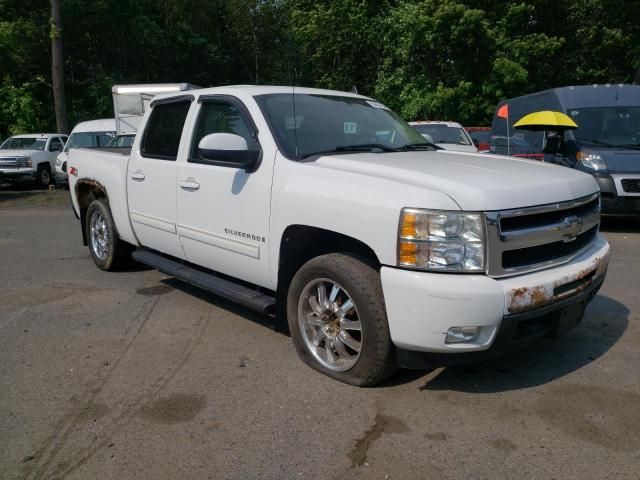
column 24, row 143
column 608, row 126
column 332, row 123
column 89, row 140
column 443, row 133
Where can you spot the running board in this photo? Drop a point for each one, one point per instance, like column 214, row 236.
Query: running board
column 235, row 292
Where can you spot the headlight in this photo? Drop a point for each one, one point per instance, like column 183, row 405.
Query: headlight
column 24, row 162
column 592, row 161
column 441, row 240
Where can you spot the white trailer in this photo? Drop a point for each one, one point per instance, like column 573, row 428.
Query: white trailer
column 131, row 101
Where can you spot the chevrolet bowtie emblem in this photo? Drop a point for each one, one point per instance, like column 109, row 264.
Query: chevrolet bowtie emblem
column 571, row 227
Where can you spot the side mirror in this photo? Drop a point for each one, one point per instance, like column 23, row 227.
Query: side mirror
column 55, row 148
column 476, row 142
column 227, row 150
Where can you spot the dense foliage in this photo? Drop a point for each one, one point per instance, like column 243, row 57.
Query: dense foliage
column 445, row 59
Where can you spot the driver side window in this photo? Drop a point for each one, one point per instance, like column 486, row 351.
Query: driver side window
column 55, row 145
column 219, row 116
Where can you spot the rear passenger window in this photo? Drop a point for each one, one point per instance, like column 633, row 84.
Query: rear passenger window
column 220, row 117
column 162, row 135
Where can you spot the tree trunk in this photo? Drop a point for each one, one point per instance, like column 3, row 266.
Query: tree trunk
column 57, row 69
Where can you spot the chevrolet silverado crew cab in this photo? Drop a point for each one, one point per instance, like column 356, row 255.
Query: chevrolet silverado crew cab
column 30, row 157
column 326, row 210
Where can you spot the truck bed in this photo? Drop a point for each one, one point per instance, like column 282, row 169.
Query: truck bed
column 108, row 168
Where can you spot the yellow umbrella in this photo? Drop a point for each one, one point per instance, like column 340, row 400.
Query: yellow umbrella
column 546, row 120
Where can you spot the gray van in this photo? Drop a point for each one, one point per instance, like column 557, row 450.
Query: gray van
column 606, row 143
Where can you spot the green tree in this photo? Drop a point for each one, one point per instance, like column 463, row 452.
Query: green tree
column 338, row 43
column 26, row 101
column 605, row 43
column 435, row 59
column 445, row 59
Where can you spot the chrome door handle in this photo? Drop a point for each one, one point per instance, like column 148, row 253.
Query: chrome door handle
column 189, row 184
column 138, row 175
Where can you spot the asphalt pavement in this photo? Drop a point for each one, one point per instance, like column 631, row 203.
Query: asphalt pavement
column 134, row 375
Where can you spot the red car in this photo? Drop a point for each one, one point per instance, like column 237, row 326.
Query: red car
column 481, row 137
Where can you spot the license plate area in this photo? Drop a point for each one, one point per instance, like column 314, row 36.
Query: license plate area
column 570, row 317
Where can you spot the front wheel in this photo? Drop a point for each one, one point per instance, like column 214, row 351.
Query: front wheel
column 43, row 176
column 108, row 251
column 338, row 322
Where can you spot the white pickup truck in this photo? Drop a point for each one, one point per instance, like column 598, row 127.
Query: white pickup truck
column 30, row 157
column 325, row 209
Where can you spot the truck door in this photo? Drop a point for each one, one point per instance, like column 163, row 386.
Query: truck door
column 223, row 212
column 151, row 177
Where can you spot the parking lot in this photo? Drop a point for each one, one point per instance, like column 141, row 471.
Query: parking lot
column 135, row 375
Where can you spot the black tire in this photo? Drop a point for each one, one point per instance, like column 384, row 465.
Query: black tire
column 43, row 176
column 377, row 358
column 116, row 253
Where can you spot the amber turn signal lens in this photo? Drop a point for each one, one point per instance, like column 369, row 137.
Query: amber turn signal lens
column 408, row 229
column 408, row 253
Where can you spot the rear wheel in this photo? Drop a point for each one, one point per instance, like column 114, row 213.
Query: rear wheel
column 338, row 322
column 108, row 251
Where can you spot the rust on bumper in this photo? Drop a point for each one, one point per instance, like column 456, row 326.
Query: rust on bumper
column 527, row 298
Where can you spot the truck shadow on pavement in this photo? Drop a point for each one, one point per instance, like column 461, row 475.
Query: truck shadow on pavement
column 620, row 224
column 248, row 314
column 604, row 323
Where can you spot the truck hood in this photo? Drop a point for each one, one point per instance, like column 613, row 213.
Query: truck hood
column 620, row 160
column 474, row 181
column 17, row 153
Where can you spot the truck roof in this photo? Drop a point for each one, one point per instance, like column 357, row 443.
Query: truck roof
column 588, row 96
column 41, row 135
column 255, row 90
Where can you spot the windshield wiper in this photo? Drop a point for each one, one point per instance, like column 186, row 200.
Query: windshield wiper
column 419, row 146
column 365, row 147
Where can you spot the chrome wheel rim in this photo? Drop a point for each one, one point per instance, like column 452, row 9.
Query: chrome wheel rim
column 330, row 324
column 99, row 236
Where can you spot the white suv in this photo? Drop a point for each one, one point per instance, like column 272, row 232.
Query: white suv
column 91, row 134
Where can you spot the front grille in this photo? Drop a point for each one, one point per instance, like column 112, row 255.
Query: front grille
column 523, row 257
column 631, row 185
column 531, row 238
column 9, row 162
column 14, row 162
column 510, row 224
